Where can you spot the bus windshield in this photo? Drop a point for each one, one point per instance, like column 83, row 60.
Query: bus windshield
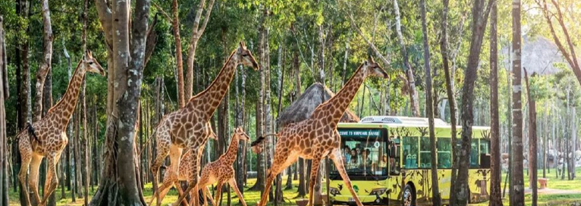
column 364, row 152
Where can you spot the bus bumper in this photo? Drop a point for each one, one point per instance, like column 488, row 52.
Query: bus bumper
column 365, row 199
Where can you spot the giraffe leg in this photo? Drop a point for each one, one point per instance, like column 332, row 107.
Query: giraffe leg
column 282, row 159
column 208, row 194
column 314, row 172
column 51, row 177
column 25, row 157
column 162, row 152
column 33, row 177
column 338, row 160
column 233, row 184
column 193, row 182
column 168, row 182
column 218, row 195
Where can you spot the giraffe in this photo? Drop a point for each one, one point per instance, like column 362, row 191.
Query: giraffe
column 317, row 137
column 188, row 126
column 47, row 137
column 222, row 170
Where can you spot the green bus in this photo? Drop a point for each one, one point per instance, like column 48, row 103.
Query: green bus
column 388, row 160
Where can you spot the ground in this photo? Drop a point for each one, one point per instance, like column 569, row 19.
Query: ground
column 559, row 192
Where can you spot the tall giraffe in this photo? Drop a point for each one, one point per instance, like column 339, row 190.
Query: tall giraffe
column 317, row 136
column 188, row 126
column 47, row 137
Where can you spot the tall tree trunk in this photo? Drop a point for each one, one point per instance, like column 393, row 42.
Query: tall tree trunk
column 517, row 190
column 495, row 163
column 46, row 64
column 197, row 32
column 179, row 62
column 479, row 21
column 125, row 57
column 24, row 114
column 436, row 200
column 450, row 94
column 68, row 149
column 532, row 140
column 411, row 83
column 3, row 138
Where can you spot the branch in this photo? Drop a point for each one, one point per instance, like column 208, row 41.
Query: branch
column 554, row 34
column 373, row 48
column 566, row 33
column 206, row 17
column 160, row 10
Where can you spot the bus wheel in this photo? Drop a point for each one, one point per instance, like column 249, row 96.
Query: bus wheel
column 409, row 196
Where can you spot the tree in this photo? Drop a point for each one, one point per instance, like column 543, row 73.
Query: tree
column 479, row 20
column 410, row 81
column 495, row 176
column 517, row 190
column 4, row 94
column 46, row 64
column 449, row 91
column 125, row 57
column 429, row 108
column 532, row 140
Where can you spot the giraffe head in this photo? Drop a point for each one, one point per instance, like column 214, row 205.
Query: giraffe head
column 244, row 56
column 371, row 68
column 240, row 134
column 90, row 64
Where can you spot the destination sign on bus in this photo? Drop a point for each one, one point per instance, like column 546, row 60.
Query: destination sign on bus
column 359, row 132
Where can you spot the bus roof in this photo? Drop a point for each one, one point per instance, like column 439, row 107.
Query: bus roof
column 401, row 121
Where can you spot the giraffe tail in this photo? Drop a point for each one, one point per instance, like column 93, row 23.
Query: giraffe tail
column 256, row 147
column 257, row 141
column 31, row 132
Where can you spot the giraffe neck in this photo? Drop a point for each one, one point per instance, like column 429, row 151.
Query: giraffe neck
column 65, row 107
column 336, row 105
column 210, row 98
column 230, row 155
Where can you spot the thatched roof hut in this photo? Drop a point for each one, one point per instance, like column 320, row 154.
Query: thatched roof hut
column 539, row 55
column 303, row 107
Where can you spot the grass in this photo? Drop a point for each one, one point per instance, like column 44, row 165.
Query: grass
column 251, row 197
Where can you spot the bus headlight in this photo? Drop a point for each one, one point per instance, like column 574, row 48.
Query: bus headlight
column 378, row 191
column 334, row 191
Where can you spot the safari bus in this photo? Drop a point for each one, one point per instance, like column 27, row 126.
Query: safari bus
column 388, row 161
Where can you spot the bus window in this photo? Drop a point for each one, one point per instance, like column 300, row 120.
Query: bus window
column 484, row 153
column 444, row 153
column 425, row 153
column 474, row 154
column 410, row 152
column 363, row 151
column 394, row 155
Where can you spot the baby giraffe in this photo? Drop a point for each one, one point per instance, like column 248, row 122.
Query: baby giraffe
column 222, row 170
